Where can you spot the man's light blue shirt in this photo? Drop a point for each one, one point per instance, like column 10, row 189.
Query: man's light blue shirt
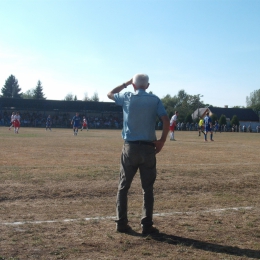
column 140, row 110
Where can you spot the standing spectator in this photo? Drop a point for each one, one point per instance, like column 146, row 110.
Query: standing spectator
column 48, row 122
column 173, row 123
column 12, row 120
column 75, row 122
column 139, row 150
column 208, row 127
column 217, row 127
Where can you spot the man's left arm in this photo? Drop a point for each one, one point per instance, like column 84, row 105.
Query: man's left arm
column 160, row 143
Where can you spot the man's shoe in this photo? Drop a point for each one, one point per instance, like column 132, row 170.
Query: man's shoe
column 150, row 230
column 123, row 228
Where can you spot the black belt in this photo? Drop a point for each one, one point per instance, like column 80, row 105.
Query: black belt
column 140, row 142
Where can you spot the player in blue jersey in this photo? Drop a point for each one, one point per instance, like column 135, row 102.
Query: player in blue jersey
column 48, row 123
column 208, row 127
column 76, row 123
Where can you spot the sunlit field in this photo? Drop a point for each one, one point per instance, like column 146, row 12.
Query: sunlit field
column 58, row 192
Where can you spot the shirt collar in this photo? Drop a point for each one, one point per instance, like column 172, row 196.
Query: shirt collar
column 140, row 91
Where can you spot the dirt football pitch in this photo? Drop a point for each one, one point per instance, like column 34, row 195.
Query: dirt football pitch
column 58, row 193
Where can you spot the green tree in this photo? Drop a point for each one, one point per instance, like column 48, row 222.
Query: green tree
column 170, row 104
column 38, row 91
column 234, row 120
column 11, row 88
column 253, row 101
column 95, row 97
column 182, row 102
column 222, row 120
column 214, row 118
column 86, row 98
column 188, row 119
column 69, row 97
column 28, row 94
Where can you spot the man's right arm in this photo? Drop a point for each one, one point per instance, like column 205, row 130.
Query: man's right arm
column 118, row 89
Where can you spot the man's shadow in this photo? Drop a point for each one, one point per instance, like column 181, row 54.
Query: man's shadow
column 206, row 246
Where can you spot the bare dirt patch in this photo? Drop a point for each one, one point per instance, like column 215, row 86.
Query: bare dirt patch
column 57, row 197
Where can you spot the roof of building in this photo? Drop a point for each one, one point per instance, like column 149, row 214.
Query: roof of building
column 48, row 105
column 243, row 114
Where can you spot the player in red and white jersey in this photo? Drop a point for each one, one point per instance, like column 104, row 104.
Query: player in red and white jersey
column 173, row 123
column 84, row 124
column 17, row 119
column 12, row 120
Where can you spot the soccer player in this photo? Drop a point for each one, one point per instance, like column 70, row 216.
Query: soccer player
column 208, row 127
column 140, row 147
column 76, row 123
column 48, row 122
column 12, row 120
column 84, row 124
column 173, row 123
column 16, row 121
column 201, row 125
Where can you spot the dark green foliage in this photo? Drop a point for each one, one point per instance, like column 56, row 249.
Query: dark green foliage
column 38, row 91
column 11, row 88
column 188, row 119
column 95, row 97
column 253, row 101
column 28, row 94
column 222, row 120
column 184, row 103
column 69, row 97
column 234, row 120
column 214, row 118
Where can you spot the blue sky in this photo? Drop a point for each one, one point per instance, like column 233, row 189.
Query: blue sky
column 206, row 47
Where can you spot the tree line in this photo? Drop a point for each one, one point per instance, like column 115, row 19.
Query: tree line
column 183, row 102
column 11, row 89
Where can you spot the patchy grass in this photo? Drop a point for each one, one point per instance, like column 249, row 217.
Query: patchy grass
column 61, row 191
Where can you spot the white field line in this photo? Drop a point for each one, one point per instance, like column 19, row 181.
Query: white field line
column 113, row 217
column 158, row 165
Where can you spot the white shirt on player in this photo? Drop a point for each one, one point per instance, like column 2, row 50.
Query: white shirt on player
column 173, row 120
column 12, row 118
column 17, row 117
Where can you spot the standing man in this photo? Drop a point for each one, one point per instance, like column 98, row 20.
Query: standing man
column 48, row 122
column 140, row 111
column 76, row 124
column 201, row 125
column 173, row 124
column 208, row 127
